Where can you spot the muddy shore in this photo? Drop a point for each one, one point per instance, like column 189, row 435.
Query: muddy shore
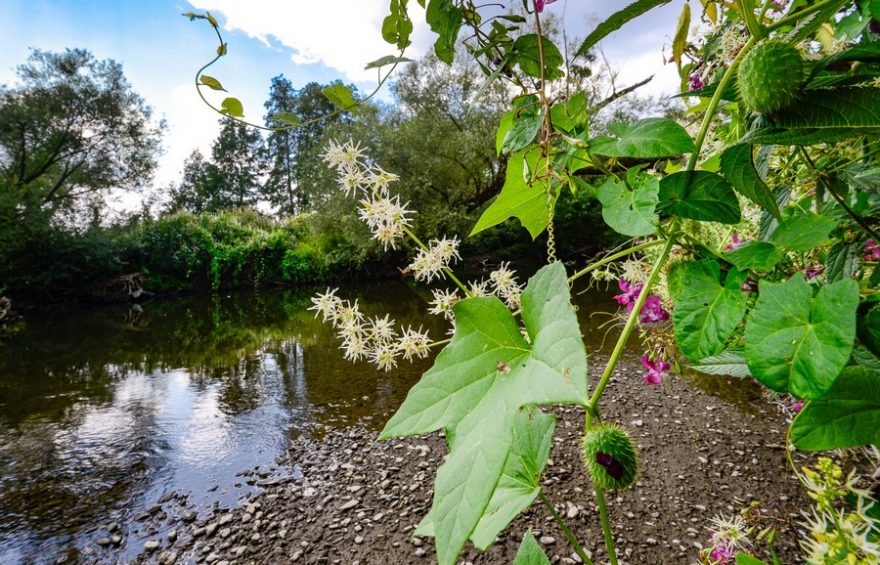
column 339, row 496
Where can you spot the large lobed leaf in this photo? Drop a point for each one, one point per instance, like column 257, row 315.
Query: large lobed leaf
column 519, row 198
column 798, row 343
column 630, row 210
column 803, row 232
column 478, row 384
column 706, row 312
column 699, row 195
column 848, row 416
column 649, row 138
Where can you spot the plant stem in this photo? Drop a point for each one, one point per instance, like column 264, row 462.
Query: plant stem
column 805, row 157
column 565, row 529
column 791, row 18
column 748, row 13
column 713, row 103
column 606, row 526
column 612, row 258
column 446, row 270
column 631, row 321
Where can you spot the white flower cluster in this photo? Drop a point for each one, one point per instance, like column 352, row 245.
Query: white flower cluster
column 505, row 285
column 430, row 263
column 384, row 215
column 374, row 339
column 839, row 535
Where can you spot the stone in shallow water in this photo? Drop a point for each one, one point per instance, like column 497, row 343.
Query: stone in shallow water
column 151, row 545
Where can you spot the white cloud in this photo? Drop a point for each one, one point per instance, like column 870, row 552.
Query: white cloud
column 191, row 125
column 341, row 34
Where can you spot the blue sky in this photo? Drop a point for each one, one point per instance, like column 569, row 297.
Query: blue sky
column 160, row 50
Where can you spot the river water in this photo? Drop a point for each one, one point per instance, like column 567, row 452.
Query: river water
column 106, row 411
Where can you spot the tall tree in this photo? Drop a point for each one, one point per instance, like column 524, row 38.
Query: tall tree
column 71, row 129
column 238, row 158
column 195, row 193
column 292, row 152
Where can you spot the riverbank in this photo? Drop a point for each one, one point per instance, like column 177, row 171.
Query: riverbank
column 339, row 496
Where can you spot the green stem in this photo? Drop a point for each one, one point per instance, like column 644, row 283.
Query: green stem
column 439, row 343
column 446, row 270
column 713, row 103
column 606, row 526
column 614, row 257
column 805, row 157
column 792, row 18
column 748, row 13
column 631, row 321
column 565, row 529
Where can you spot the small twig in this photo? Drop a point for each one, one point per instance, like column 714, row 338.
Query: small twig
column 621, row 93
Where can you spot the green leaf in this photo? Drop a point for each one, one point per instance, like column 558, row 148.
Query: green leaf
column 211, row 83
column 530, row 553
column 232, row 107
column 755, row 255
column 397, row 26
column 746, row 559
column 523, row 131
column 679, row 41
column 445, row 20
column 803, row 232
column 848, row 416
column 387, row 60
column 520, row 480
column 341, row 96
column 699, row 195
column 706, row 313
column 798, row 343
column 617, row 20
column 823, row 116
column 503, row 129
column 868, row 327
column 286, row 117
column 738, row 168
column 630, row 211
column 727, row 363
column 843, row 261
column 479, row 382
column 528, row 56
column 874, row 8
column 518, row 199
column 648, row 138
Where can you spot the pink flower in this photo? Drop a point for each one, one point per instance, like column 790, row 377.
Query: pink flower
column 655, row 370
column 630, row 292
column 734, row 242
column 723, row 554
column 797, row 406
column 778, row 5
column 539, row 4
column 696, row 82
column 653, row 312
column 871, row 251
column 814, row 271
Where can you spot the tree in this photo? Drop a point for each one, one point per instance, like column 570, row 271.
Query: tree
column 238, row 162
column 71, row 129
column 193, row 194
column 291, row 151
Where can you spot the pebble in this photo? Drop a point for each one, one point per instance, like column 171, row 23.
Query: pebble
column 358, row 539
column 151, row 545
column 548, row 540
column 349, row 504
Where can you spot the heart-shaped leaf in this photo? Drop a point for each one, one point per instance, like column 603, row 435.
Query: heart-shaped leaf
column 798, row 343
column 706, row 313
column 848, row 416
column 232, row 107
column 341, row 96
column 478, row 384
column 630, row 211
column 803, row 232
column 699, row 195
column 648, row 138
column 755, row 255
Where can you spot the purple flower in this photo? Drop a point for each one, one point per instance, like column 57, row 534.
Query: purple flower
column 871, row 251
column 797, row 406
column 696, row 82
column 630, row 292
column 814, row 271
column 539, row 4
column 723, row 554
column 874, row 26
column 734, row 242
column 655, row 369
column 653, row 312
column 778, row 5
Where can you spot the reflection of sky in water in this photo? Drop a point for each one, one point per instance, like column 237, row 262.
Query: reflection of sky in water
column 103, row 411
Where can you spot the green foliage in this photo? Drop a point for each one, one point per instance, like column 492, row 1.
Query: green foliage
column 528, row 56
column 755, row 255
column 647, row 138
column 341, row 96
column 618, row 19
column 445, row 19
column 476, row 387
column 803, row 232
column 798, row 343
column 706, row 312
column 699, row 195
column 530, row 553
column 730, row 362
column 629, row 208
column 848, row 416
column 739, row 170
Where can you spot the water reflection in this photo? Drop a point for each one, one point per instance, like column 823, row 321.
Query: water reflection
column 105, row 410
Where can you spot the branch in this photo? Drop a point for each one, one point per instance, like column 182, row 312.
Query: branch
column 621, row 93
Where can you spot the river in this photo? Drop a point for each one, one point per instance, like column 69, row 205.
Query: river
column 106, row 411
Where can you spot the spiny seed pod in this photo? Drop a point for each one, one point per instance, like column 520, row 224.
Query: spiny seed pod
column 770, row 76
column 610, row 457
